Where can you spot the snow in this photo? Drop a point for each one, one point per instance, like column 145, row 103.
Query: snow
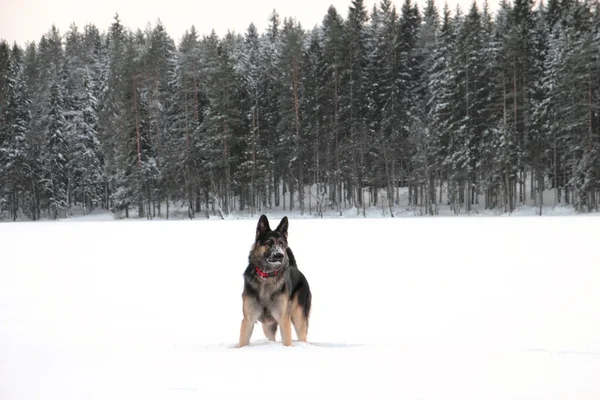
column 412, row 308
column 178, row 210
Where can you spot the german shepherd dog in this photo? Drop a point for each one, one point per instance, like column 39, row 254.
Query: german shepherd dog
column 275, row 291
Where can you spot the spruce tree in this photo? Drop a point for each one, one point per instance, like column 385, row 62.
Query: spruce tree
column 55, row 163
column 289, row 128
column 407, row 77
column 4, row 66
column 222, row 120
column 191, row 101
column 14, row 130
column 86, row 163
column 333, row 69
column 353, row 107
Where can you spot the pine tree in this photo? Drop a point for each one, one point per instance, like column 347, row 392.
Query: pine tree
column 502, row 107
column 289, row 149
column 160, row 52
column 407, row 77
column 136, row 163
column 254, row 162
column 271, row 115
column 491, row 166
column 174, row 144
column 520, row 48
column 376, row 44
column 425, row 50
column 385, row 96
column 313, row 84
column 538, row 153
column 4, row 67
column 55, row 165
column 222, row 120
column 15, row 118
column 578, row 82
column 443, row 102
column 333, row 69
column 471, row 73
column 35, row 137
column 113, row 116
column 191, row 100
column 353, row 107
column 72, row 82
column 86, row 163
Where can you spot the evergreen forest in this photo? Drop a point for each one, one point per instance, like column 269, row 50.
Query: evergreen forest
column 455, row 108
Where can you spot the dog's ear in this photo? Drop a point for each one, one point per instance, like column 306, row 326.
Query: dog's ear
column 263, row 226
column 283, row 227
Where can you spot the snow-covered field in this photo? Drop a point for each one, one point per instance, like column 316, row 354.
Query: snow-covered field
column 412, row 308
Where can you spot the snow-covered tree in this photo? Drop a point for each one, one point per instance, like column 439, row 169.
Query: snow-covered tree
column 86, row 159
column 56, row 162
column 457, row 108
column 14, row 129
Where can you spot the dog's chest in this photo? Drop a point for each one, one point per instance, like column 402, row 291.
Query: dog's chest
column 271, row 301
column 269, row 294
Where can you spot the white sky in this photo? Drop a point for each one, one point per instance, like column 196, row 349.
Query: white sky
column 28, row 20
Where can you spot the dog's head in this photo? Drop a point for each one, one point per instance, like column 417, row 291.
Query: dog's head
column 270, row 247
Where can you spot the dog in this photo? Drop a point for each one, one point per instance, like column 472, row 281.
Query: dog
column 275, row 292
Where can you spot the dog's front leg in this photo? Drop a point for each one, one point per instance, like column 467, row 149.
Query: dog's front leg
column 281, row 313
column 285, row 324
column 251, row 315
column 246, row 332
column 285, row 321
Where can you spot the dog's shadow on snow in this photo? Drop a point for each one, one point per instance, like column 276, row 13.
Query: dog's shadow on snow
column 267, row 344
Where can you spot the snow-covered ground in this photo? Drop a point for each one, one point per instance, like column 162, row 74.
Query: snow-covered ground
column 178, row 210
column 406, row 308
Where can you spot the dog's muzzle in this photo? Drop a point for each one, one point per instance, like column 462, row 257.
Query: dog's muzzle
column 277, row 257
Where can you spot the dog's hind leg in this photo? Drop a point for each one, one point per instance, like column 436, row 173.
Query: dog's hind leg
column 270, row 330
column 300, row 323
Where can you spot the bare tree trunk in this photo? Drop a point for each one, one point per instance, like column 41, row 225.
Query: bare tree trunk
column 300, row 181
column 590, row 200
column 188, row 167
column 337, row 150
column 540, row 178
column 283, row 194
column 137, row 124
column 506, row 189
column 555, row 177
column 226, row 156
column 468, row 188
column 515, row 113
column 316, row 165
column 441, row 186
column 254, row 136
column 532, row 189
column 525, row 142
column 291, row 188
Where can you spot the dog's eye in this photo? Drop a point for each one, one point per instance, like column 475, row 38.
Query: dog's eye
column 269, row 243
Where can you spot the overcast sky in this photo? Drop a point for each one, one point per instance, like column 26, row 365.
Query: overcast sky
column 28, row 20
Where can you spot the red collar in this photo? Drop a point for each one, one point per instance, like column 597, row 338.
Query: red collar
column 264, row 274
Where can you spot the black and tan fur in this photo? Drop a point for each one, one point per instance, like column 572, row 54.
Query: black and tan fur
column 281, row 300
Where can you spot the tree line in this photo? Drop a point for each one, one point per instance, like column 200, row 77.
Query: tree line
column 459, row 108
